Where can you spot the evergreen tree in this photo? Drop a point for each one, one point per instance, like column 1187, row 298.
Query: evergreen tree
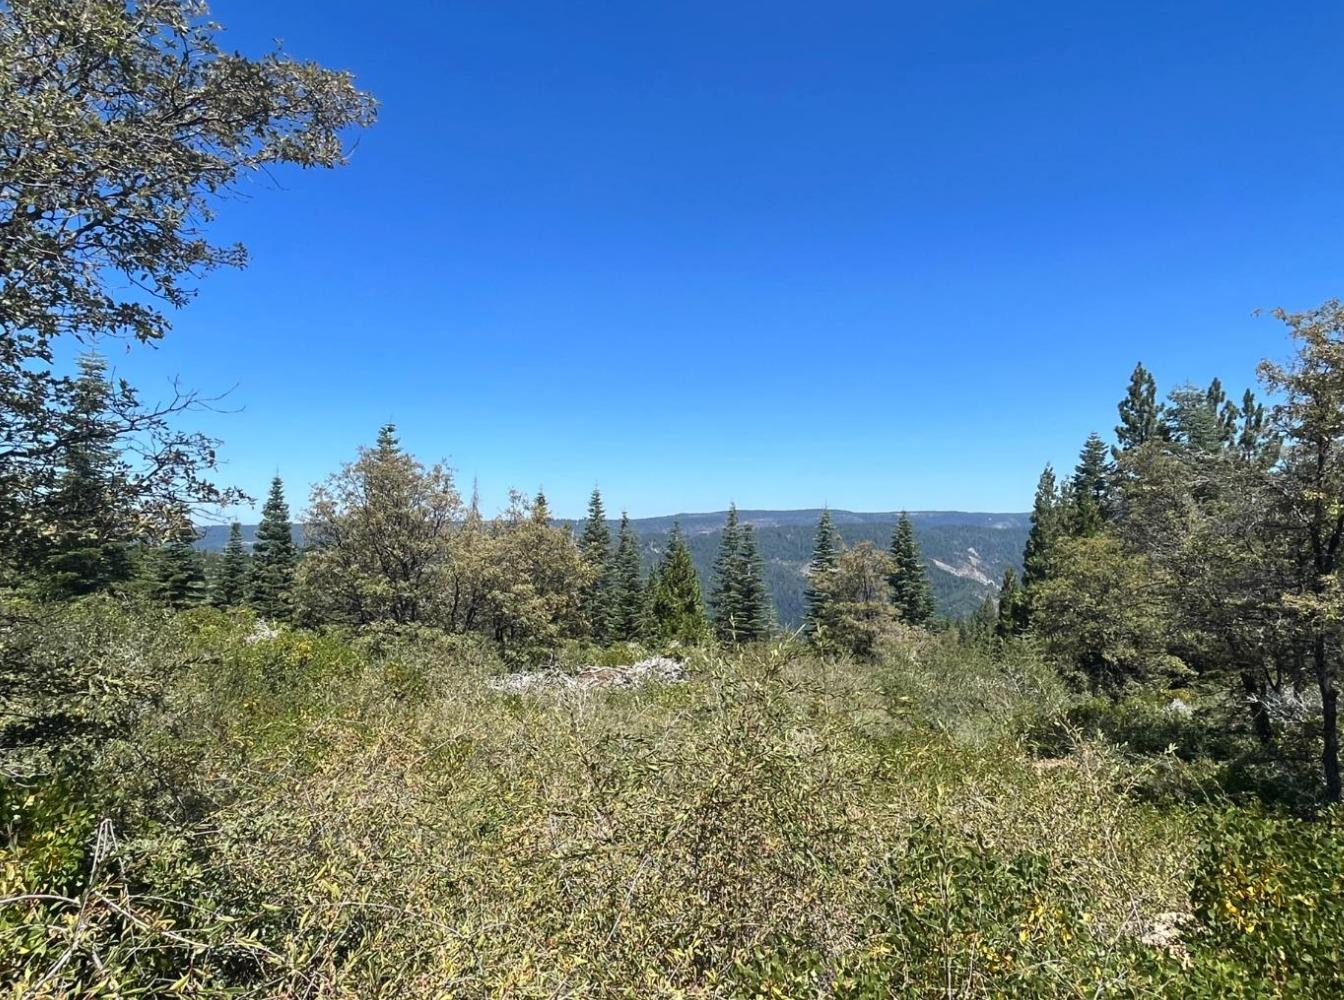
column 230, row 587
column 625, row 609
column 1140, row 415
column 982, row 624
column 595, row 547
column 274, row 555
column 676, row 609
column 541, row 510
column 723, row 598
column 1215, row 396
column 1256, row 441
column 1193, row 420
column 1046, row 529
column 739, row 600
column 86, row 548
column 911, row 591
column 1011, row 619
column 1224, row 412
column 1091, row 487
column 755, row 617
column 825, row 552
column 179, row 578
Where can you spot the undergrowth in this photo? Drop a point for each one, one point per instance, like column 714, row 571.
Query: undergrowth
column 232, row 810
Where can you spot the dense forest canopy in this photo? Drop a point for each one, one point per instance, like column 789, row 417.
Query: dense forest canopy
column 422, row 749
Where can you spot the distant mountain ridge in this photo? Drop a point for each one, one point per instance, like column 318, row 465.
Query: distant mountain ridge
column 966, row 551
column 808, row 516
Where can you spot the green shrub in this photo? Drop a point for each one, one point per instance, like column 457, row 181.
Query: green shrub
column 976, row 692
column 1268, row 894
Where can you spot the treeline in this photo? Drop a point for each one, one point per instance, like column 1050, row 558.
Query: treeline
column 1202, row 548
column 391, row 540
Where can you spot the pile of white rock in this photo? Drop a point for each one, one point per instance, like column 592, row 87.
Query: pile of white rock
column 656, row 669
column 261, row 632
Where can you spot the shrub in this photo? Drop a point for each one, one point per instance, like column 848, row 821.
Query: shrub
column 320, row 813
column 1268, row 894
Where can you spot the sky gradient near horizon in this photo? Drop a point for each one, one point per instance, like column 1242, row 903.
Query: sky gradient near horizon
column 870, row 255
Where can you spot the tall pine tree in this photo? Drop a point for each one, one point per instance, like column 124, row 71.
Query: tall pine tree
column 87, row 548
column 755, row 615
column 739, row 600
column 1256, row 441
column 1226, row 413
column 1091, row 487
column 1012, row 618
column 595, row 547
column 825, row 553
column 1193, row 418
column 1140, row 414
column 274, row 554
column 1046, row 529
column 723, row 597
column 676, row 609
column 625, row 608
column 911, row 592
column 230, row 587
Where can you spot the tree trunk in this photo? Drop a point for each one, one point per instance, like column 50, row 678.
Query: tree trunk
column 1255, row 698
column 1325, row 678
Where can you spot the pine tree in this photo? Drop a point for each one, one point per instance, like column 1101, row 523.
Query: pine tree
column 1256, row 441
column 625, row 609
column 595, row 547
column 179, row 578
column 1046, row 529
column 1225, row 413
column 723, row 598
column 825, row 552
column 88, row 548
column 676, row 609
column 1011, row 619
column 274, row 555
column 982, row 624
column 1215, row 396
column 1140, row 415
column 230, row 587
column 541, row 510
column 755, row 616
column 741, row 606
column 1091, row 487
column 911, row 592
column 1193, row 419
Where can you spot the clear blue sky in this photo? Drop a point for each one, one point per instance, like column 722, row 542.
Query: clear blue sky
column 873, row 255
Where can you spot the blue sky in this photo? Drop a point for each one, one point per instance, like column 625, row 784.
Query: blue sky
column 878, row 256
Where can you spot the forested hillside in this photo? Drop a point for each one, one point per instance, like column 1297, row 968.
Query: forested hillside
column 966, row 553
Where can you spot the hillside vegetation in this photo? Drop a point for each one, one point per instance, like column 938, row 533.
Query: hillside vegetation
column 244, row 810
column 965, row 554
